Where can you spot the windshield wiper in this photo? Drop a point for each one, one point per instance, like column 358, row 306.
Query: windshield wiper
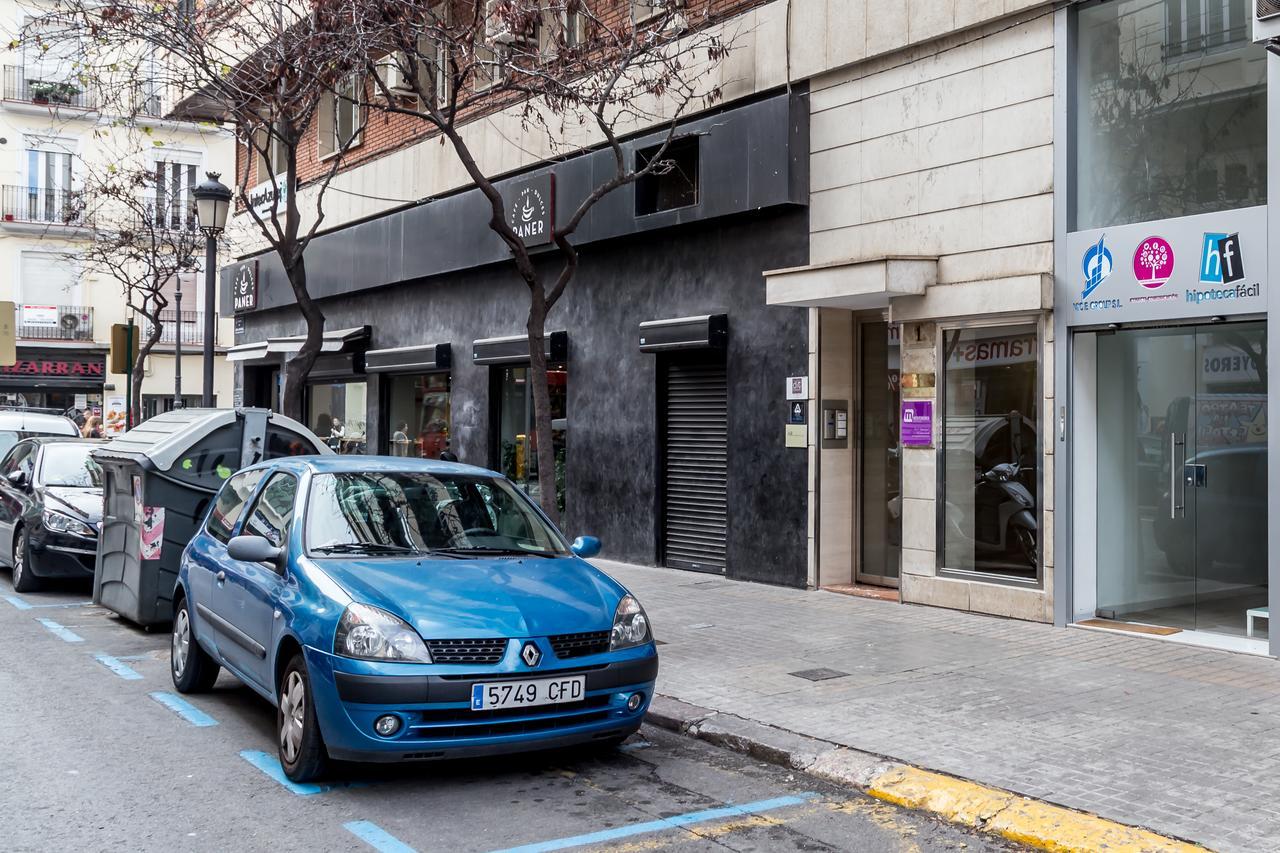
column 488, row 551
column 364, row 548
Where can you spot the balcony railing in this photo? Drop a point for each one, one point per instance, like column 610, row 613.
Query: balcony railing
column 40, row 204
column 19, row 86
column 190, row 325
column 54, row 322
column 177, row 215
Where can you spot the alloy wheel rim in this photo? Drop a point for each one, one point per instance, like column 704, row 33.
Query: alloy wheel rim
column 293, row 702
column 18, row 560
column 181, row 642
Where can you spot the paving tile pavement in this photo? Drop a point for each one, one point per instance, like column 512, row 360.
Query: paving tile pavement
column 1181, row 740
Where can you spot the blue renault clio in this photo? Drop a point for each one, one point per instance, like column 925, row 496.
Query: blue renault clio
column 397, row 610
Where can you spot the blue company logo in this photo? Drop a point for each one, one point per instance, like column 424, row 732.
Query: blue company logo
column 1220, row 259
column 1097, row 266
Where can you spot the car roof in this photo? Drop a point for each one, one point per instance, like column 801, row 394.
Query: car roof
column 337, row 464
column 36, row 422
column 62, row 439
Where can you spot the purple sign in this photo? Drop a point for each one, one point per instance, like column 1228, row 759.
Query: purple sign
column 917, row 423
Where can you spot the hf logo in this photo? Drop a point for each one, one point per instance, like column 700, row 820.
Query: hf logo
column 1220, row 260
column 531, row 655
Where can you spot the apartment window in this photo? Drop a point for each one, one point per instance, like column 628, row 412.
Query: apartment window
column 673, row 182
column 645, row 10
column 49, row 194
column 562, row 21
column 340, row 116
column 47, row 281
column 174, row 204
column 271, row 154
column 488, row 69
column 1179, row 71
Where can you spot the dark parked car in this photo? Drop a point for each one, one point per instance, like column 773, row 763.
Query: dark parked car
column 50, row 510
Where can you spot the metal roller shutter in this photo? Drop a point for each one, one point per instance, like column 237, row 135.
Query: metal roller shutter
column 696, row 432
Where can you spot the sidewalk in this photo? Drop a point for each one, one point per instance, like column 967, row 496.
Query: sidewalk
column 1181, row 740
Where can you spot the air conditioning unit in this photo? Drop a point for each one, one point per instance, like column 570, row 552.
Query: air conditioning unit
column 497, row 30
column 1266, row 20
column 391, row 74
column 71, row 322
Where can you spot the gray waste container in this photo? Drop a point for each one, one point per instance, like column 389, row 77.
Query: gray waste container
column 158, row 479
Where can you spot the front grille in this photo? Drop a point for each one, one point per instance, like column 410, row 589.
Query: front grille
column 452, row 723
column 467, row 651
column 580, row 645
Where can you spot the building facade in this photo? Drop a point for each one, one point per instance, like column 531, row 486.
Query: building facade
column 56, row 134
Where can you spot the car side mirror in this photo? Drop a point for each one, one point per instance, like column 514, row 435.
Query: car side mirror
column 18, row 478
column 253, row 549
column 585, row 547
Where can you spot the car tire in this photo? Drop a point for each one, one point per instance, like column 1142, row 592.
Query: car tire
column 193, row 669
column 24, row 580
column 298, row 739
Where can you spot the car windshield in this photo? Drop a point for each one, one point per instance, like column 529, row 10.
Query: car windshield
column 70, row 465
column 416, row 512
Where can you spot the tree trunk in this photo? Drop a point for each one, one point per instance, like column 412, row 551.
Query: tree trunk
column 547, row 492
column 299, row 367
column 140, row 365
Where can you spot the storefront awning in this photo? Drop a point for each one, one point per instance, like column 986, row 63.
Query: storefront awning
column 515, row 349
column 706, row 331
column 336, row 341
column 408, row 359
column 855, row 285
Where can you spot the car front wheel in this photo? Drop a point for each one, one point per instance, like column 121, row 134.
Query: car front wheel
column 192, row 668
column 302, row 752
column 23, row 579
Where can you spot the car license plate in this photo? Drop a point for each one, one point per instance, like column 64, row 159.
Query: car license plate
column 526, row 694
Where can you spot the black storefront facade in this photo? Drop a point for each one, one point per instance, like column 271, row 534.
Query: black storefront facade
column 55, row 377
column 667, row 371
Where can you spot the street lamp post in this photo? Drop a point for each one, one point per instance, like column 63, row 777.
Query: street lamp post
column 213, row 201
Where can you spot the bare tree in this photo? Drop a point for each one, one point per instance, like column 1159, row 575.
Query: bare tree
column 266, row 68
column 143, row 241
column 579, row 74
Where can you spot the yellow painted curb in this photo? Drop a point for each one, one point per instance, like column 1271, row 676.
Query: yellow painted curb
column 1031, row 822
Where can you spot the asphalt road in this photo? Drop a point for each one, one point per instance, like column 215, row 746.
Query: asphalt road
column 100, row 753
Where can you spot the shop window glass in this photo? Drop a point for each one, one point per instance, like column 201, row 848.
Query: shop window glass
column 991, row 496
column 1171, row 111
column 419, row 416
column 517, row 454
column 337, row 414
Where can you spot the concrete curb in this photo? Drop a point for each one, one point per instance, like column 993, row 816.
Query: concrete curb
column 1037, row 824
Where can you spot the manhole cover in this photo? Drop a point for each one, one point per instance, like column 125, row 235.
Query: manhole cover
column 821, row 674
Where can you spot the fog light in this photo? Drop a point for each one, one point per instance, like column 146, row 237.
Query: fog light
column 634, row 701
column 387, row 725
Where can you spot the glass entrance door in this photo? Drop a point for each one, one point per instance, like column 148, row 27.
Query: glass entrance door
column 1182, row 476
column 879, row 456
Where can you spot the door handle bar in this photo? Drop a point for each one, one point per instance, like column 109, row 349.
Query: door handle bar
column 1177, row 484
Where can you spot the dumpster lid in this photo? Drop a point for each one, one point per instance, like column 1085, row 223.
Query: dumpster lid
column 168, row 435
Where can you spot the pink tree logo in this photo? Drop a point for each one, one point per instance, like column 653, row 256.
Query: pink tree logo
column 1153, row 262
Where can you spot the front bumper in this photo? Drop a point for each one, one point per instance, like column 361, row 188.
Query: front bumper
column 433, row 704
column 62, row 555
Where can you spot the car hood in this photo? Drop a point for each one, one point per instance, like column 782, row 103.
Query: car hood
column 464, row 599
column 83, row 503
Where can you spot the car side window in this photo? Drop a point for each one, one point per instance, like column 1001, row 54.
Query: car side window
column 273, row 510
column 11, row 459
column 231, row 502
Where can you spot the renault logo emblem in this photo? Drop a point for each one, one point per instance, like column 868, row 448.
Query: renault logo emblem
column 530, row 654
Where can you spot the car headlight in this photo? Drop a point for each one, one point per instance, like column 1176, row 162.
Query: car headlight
column 630, row 625
column 368, row 633
column 59, row 523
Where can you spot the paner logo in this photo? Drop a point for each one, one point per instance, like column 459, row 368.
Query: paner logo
column 1097, row 266
column 1221, row 261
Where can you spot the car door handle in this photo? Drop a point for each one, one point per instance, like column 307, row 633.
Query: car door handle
column 220, row 577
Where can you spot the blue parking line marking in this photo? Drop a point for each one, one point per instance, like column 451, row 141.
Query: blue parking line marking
column 607, row 835
column 183, row 709
column 377, row 837
column 270, row 765
column 61, row 631
column 65, row 604
column 17, row 602
column 117, row 666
